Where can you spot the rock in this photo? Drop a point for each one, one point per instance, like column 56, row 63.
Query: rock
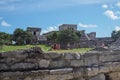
column 44, row 63
column 69, row 56
column 23, row 66
column 52, row 55
column 98, row 77
column 58, row 77
column 3, row 67
column 114, row 76
column 59, row 64
column 76, row 63
column 61, row 71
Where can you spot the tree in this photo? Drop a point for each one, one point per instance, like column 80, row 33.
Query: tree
column 115, row 35
column 68, row 36
column 52, row 38
column 5, row 39
column 21, row 37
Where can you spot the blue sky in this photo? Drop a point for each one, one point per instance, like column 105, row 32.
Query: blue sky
column 100, row 16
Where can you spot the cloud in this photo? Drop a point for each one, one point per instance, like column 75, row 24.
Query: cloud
column 12, row 5
column 87, row 25
column 118, row 4
column 111, row 15
column 49, row 29
column 105, row 6
column 5, row 24
column 117, row 28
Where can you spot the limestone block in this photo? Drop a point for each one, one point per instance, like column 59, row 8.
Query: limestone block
column 90, row 60
column 77, row 55
column 92, row 71
column 98, row 77
column 52, row 55
column 3, row 67
column 23, row 66
column 106, row 57
column 61, row 71
column 77, row 63
column 59, row 77
column 78, row 73
column 69, row 56
column 44, row 63
column 114, row 76
column 59, row 64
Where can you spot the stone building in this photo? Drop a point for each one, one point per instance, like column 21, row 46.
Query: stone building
column 86, row 40
column 90, row 40
column 68, row 26
column 35, row 32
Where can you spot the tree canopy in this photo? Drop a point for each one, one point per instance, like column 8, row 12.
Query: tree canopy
column 64, row 36
column 115, row 35
column 5, row 39
column 21, row 37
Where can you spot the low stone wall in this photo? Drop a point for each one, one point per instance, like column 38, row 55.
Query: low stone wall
column 32, row 64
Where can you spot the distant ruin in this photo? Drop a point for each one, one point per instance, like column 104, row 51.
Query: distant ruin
column 88, row 40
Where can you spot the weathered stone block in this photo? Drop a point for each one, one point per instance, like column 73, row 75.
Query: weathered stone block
column 91, row 60
column 68, row 56
column 98, row 77
column 3, row 67
column 52, row 55
column 59, row 64
column 23, row 66
column 44, row 63
column 61, row 71
column 77, row 63
column 58, row 77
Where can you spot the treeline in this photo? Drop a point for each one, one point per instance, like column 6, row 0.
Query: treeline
column 19, row 37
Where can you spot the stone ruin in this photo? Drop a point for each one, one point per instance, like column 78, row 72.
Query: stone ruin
column 115, row 45
column 34, row 64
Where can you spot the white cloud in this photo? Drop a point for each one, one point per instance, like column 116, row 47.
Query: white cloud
column 111, row 15
column 117, row 28
column 87, row 25
column 118, row 4
column 50, row 29
column 5, row 24
column 12, row 5
column 105, row 6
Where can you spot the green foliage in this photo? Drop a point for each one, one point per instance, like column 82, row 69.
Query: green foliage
column 21, row 37
column 64, row 36
column 115, row 35
column 68, row 36
column 5, row 39
column 52, row 38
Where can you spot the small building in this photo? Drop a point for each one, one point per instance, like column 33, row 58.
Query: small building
column 68, row 27
column 35, row 32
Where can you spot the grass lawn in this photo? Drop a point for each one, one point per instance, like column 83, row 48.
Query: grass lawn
column 80, row 50
column 44, row 47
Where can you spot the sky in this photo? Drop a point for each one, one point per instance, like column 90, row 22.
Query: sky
column 100, row 16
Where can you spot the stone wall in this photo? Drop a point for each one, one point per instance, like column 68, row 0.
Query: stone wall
column 32, row 64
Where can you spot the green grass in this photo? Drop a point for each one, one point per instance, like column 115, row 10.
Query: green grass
column 44, row 47
column 80, row 50
column 12, row 48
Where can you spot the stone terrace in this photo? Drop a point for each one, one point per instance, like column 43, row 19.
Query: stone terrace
column 33, row 64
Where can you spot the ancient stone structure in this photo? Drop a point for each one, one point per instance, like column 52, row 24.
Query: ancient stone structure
column 115, row 45
column 34, row 64
column 68, row 27
column 35, row 32
column 90, row 40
